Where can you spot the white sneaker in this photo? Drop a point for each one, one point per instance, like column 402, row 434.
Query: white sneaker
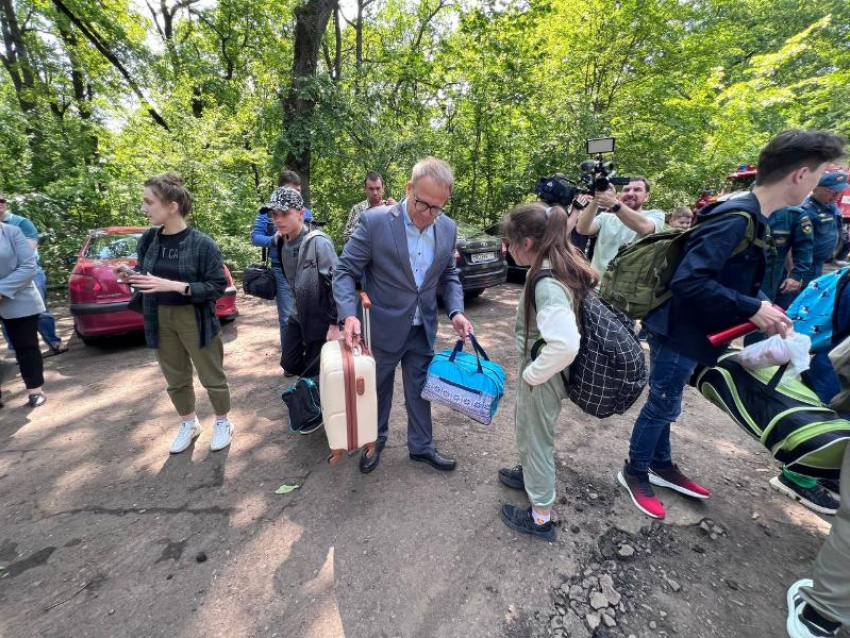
column 189, row 431
column 796, row 625
column 222, row 435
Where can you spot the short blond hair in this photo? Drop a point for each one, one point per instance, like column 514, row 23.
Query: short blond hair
column 681, row 211
column 436, row 169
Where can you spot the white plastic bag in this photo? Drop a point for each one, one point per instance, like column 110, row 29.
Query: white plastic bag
column 776, row 351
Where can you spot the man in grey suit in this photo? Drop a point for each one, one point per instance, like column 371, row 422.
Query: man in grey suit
column 403, row 256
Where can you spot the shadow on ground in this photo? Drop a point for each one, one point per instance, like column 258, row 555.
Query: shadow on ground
column 102, row 533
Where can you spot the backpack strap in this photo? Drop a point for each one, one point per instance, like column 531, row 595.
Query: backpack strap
column 752, row 236
column 302, row 251
column 843, row 280
column 532, row 287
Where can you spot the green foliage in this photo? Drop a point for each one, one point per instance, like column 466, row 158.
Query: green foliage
column 506, row 92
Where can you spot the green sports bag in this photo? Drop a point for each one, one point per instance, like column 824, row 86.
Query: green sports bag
column 783, row 414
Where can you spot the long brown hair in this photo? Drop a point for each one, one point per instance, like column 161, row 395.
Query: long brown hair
column 547, row 229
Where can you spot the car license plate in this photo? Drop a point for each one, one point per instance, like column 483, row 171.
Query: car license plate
column 482, row 258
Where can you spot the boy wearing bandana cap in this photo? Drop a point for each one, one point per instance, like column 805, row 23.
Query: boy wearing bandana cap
column 308, row 260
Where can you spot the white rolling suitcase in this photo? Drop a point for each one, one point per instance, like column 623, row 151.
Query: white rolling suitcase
column 349, row 393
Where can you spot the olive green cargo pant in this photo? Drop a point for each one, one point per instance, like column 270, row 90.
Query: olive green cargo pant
column 177, row 352
column 537, row 412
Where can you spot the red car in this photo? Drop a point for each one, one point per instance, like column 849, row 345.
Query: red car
column 99, row 302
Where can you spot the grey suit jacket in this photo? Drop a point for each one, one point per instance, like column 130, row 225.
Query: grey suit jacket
column 377, row 254
column 18, row 267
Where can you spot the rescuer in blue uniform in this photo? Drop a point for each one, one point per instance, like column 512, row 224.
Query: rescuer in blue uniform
column 791, row 229
column 822, row 207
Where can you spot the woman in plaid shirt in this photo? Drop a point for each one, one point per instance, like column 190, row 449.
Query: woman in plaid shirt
column 180, row 273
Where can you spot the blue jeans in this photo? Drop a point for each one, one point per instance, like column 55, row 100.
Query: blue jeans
column 46, row 322
column 668, row 376
column 284, row 301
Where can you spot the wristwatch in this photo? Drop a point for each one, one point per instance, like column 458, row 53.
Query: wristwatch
column 187, row 290
column 616, row 208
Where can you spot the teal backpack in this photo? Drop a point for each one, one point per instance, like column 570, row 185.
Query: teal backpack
column 814, row 309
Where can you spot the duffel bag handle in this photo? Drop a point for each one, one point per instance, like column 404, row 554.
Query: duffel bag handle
column 777, row 377
column 475, row 347
column 478, row 347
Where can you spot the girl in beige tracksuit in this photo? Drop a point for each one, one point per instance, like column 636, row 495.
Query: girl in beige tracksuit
column 537, row 236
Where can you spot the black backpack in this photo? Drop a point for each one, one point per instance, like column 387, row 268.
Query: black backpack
column 609, row 372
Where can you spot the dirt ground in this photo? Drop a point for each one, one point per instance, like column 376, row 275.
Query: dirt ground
column 102, row 533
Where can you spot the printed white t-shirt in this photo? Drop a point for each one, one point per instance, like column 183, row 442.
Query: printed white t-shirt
column 613, row 234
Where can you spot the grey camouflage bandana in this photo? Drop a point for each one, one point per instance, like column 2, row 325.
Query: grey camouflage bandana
column 284, row 198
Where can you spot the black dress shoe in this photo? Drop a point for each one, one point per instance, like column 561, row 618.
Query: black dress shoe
column 512, row 477
column 435, row 460
column 368, row 464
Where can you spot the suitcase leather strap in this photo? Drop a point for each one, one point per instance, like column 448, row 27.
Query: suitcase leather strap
column 350, row 382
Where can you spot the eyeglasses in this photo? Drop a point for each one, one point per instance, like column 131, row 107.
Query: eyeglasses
column 425, row 207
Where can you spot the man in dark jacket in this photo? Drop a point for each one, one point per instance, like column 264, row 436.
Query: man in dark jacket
column 712, row 291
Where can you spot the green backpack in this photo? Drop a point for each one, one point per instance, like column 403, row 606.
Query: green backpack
column 638, row 278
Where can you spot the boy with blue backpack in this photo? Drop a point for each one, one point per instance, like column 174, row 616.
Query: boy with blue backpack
column 715, row 285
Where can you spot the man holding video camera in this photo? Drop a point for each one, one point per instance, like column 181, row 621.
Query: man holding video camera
column 625, row 221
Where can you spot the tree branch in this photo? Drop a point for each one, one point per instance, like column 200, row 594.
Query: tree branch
column 104, row 50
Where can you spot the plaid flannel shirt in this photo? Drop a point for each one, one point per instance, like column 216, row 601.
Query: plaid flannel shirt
column 353, row 218
column 201, row 266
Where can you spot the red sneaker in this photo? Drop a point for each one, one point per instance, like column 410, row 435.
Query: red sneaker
column 641, row 492
column 672, row 478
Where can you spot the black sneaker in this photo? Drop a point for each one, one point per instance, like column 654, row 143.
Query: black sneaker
column 816, row 498
column 833, row 487
column 521, row 520
column 56, row 348
column 512, row 477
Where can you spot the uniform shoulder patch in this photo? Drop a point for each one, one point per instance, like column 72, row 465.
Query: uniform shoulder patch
column 806, row 226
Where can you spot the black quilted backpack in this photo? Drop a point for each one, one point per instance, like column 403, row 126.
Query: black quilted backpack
column 609, row 372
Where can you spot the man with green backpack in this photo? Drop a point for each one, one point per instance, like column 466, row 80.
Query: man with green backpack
column 687, row 285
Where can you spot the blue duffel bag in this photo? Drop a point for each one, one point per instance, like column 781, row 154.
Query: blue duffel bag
column 468, row 383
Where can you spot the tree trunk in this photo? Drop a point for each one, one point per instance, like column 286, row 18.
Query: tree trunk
column 299, row 104
column 358, row 30
column 338, row 44
column 16, row 58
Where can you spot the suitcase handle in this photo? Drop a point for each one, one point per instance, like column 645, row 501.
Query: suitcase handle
column 730, row 334
column 367, row 322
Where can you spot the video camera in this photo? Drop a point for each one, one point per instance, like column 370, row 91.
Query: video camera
column 596, row 175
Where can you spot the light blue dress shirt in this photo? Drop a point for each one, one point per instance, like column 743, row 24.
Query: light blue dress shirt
column 421, row 246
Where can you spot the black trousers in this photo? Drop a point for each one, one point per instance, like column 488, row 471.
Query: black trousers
column 23, row 333
column 300, row 357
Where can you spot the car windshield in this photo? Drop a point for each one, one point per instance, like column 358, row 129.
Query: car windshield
column 113, row 246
